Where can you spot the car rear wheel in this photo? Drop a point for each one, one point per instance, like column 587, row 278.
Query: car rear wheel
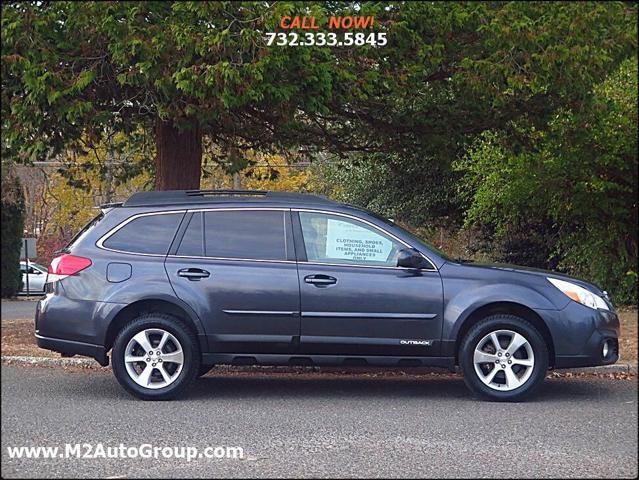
column 156, row 357
column 503, row 358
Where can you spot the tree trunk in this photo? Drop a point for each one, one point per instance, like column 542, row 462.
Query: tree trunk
column 178, row 161
column 237, row 181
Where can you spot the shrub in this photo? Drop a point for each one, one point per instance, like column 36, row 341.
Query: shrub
column 12, row 230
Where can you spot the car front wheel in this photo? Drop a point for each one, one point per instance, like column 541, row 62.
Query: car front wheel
column 504, row 358
column 156, row 357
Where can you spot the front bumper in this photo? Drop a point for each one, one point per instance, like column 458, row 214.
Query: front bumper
column 579, row 334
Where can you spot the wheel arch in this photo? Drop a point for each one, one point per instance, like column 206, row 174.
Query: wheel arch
column 152, row 305
column 511, row 308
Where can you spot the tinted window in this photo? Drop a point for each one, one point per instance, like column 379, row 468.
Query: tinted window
column 254, row 234
column 193, row 240
column 147, row 234
column 85, row 230
column 336, row 239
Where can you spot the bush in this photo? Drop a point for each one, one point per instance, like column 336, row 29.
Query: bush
column 12, row 230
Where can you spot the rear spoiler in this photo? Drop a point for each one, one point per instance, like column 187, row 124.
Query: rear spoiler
column 105, row 207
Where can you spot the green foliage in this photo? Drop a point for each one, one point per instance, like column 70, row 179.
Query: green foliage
column 580, row 173
column 12, row 227
column 395, row 186
column 454, row 70
column 449, row 71
column 70, row 68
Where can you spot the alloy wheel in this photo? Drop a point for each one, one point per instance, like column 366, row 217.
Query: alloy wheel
column 504, row 360
column 154, row 358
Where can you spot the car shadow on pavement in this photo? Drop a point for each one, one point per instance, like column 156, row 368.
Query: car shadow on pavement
column 448, row 387
column 328, row 388
column 247, row 385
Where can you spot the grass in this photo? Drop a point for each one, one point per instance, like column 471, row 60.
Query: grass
column 628, row 318
column 18, row 337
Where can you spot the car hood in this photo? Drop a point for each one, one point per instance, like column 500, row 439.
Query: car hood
column 538, row 272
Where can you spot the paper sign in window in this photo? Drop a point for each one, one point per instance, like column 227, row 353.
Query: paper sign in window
column 348, row 241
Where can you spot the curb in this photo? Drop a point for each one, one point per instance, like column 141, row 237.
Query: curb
column 627, row 368
column 50, row 361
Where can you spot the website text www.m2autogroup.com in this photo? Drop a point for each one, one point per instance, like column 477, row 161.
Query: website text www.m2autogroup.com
column 144, row 451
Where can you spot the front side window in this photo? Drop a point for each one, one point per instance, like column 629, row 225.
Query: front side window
column 245, row 234
column 151, row 234
column 341, row 240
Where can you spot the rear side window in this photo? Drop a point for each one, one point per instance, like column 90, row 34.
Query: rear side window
column 246, row 234
column 192, row 244
column 147, row 234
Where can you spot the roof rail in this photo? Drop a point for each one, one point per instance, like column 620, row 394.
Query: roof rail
column 183, row 197
column 226, row 192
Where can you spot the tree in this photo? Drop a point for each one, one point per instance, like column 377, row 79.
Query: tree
column 12, row 226
column 578, row 173
column 183, row 69
column 189, row 70
column 454, row 70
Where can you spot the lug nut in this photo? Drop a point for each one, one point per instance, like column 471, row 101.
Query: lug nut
column 499, row 354
column 151, row 352
column 508, row 354
column 510, row 361
column 153, row 364
column 148, row 359
column 159, row 352
column 503, row 365
column 160, row 360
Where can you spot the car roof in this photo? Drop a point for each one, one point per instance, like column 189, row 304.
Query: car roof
column 197, row 197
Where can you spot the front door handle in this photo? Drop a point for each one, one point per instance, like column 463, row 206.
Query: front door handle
column 193, row 274
column 320, row 280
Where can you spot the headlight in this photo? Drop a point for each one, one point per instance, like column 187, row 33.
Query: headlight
column 579, row 294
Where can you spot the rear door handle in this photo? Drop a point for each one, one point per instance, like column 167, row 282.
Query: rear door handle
column 193, row 273
column 320, row 280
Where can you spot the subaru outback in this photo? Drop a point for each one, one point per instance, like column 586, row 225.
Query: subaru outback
column 173, row 283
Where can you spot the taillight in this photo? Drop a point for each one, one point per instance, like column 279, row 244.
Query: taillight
column 66, row 265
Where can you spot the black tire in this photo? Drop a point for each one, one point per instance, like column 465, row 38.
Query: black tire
column 514, row 324
column 204, row 369
column 189, row 346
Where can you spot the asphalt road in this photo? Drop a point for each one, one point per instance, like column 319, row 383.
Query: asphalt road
column 318, row 425
column 18, row 309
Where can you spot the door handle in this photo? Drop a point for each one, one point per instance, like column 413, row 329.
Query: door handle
column 193, row 274
column 320, row 280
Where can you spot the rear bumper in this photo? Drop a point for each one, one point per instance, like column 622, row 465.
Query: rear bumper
column 71, row 327
column 69, row 347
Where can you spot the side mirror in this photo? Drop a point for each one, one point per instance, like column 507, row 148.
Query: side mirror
column 410, row 258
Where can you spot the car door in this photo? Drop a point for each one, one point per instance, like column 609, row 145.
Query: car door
column 354, row 298
column 37, row 279
column 236, row 268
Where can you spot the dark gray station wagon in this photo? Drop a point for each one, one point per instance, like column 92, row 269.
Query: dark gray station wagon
column 175, row 282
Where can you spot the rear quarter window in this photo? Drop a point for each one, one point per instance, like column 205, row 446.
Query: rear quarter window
column 84, row 231
column 151, row 234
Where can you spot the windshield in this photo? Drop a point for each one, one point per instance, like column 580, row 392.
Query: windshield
column 415, row 237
